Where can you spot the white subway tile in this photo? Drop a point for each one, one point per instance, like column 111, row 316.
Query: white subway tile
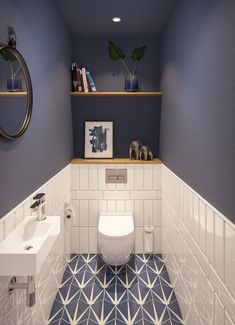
column 196, row 218
column 139, row 213
column 84, row 240
column 116, row 195
column 144, row 195
column 93, row 213
column 75, row 249
column 130, row 178
column 156, row 177
column 84, row 177
column 157, row 240
column 75, row 177
column 219, row 245
column 102, row 206
column 230, row 257
column 101, row 177
column 19, row 216
column 148, row 212
column 219, row 312
column 89, row 195
column 157, row 213
column 139, row 177
column 139, row 240
column 148, row 177
column 92, row 240
column 111, row 206
column 210, row 234
column 1, row 231
column 75, row 220
column 84, row 213
column 202, row 225
column 130, row 207
column 93, row 177
column 8, row 225
column 120, row 206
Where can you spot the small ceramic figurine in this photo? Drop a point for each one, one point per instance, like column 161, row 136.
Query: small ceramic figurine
column 146, row 153
column 134, row 149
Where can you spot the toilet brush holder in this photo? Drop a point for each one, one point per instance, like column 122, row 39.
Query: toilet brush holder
column 148, row 239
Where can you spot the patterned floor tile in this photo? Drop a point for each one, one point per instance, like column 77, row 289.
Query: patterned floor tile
column 93, row 293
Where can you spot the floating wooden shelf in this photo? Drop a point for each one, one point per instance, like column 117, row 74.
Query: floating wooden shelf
column 13, row 94
column 116, row 94
column 125, row 161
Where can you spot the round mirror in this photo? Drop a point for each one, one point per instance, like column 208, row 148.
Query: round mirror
column 16, row 97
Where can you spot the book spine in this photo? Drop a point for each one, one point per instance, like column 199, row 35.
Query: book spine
column 74, row 76
column 84, row 79
column 90, row 82
column 79, row 79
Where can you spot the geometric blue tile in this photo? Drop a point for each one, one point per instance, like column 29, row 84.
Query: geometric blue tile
column 92, row 293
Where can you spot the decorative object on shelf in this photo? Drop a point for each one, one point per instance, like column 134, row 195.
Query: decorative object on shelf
column 146, row 153
column 82, row 80
column 98, row 139
column 116, row 54
column 13, row 83
column 134, row 149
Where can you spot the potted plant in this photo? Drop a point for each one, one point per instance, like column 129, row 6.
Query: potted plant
column 116, row 54
column 13, row 84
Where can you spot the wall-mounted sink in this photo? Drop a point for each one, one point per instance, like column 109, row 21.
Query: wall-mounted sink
column 26, row 248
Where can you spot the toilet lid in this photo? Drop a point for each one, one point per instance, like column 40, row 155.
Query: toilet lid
column 116, row 225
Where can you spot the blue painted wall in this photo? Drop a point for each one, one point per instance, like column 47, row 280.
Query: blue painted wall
column 198, row 115
column 46, row 147
column 133, row 118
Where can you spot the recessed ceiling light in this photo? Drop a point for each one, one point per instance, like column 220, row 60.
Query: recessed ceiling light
column 116, row 19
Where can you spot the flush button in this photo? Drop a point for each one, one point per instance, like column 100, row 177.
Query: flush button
column 116, row 175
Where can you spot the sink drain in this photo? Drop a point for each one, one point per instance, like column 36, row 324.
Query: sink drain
column 27, row 248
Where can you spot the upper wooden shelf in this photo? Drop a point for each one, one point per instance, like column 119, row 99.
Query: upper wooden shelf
column 116, row 94
column 13, row 94
column 125, row 161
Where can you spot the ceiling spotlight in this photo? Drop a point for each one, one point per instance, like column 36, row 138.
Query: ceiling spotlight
column 116, row 19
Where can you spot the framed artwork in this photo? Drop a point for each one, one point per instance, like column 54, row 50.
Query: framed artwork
column 98, row 139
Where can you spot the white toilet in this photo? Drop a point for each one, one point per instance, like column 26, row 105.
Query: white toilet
column 116, row 238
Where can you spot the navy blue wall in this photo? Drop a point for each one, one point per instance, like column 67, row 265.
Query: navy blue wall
column 46, row 147
column 198, row 115
column 133, row 118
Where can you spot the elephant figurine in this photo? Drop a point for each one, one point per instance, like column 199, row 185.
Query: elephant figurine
column 146, row 153
column 134, row 149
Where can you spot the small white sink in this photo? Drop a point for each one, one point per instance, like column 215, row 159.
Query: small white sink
column 26, row 248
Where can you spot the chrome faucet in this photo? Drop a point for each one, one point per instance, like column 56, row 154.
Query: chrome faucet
column 39, row 206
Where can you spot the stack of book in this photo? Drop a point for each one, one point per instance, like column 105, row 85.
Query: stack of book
column 81, row 79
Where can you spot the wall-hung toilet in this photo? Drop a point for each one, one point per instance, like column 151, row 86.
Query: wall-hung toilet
column 116, row 238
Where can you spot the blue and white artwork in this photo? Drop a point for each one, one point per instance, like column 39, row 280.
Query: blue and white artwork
column 98, row 139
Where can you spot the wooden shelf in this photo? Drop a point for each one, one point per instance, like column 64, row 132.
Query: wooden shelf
column 125, row 161
column 13, row 94
column 116, row 94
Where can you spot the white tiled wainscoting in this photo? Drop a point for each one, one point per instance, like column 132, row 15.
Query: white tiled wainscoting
column 198, row 244
column 13, row 310
column 91, row 196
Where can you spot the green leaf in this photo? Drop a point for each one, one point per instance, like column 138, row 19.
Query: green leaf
column 138, row 53
column 7, row 55
column 115, row 52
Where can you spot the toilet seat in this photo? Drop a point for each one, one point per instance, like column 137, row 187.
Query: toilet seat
column 116, row 225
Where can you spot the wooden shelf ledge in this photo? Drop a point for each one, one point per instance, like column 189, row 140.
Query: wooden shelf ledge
column 117, row 94
column 124, row 161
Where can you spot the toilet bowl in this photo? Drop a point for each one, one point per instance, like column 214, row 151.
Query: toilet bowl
column 116, row 238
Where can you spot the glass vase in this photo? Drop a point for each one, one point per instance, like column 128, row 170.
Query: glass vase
column 131, row 83
column 14, row 84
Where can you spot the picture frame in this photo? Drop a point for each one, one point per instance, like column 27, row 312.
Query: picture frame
column 98, row 139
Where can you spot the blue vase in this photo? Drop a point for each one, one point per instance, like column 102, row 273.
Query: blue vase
column 14, row 84
column 131, row 83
